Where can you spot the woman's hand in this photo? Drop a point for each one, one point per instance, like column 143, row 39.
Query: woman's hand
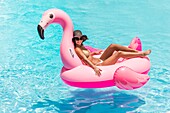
column 97, row 71
column 98, row 52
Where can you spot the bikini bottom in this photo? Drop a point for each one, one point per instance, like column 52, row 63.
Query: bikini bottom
column 98, row 64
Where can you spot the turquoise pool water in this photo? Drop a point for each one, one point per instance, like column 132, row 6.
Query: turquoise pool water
column 30, row 67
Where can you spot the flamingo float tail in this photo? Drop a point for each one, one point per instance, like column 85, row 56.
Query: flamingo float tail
column 136, row 44
column 129, row 81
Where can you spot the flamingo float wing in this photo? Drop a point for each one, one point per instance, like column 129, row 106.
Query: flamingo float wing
column 129, row 81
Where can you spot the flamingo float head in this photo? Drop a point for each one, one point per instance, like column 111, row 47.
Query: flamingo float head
column 68, row 55
column 47, row 19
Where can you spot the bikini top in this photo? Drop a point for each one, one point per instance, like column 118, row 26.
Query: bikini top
column 86, row 53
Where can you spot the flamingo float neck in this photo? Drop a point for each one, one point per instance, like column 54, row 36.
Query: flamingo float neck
column 68, row 55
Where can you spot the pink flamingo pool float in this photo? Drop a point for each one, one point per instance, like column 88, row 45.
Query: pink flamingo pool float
column 126, row 74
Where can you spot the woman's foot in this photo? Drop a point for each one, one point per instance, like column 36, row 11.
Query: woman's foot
column 147, row 52
column 144, row 53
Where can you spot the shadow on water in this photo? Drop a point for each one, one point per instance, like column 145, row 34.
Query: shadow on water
column 92, row 101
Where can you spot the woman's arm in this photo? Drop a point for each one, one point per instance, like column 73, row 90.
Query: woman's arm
column 87, row 61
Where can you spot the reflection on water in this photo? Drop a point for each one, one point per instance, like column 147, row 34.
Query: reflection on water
column 90, row 100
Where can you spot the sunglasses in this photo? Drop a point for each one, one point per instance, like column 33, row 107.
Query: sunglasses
column 77, row 38
column 83, row 37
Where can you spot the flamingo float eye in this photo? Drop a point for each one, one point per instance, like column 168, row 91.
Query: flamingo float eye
column 51, row 16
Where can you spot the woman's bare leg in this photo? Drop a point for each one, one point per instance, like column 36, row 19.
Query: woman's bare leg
column 113, row 59
column 115, row 47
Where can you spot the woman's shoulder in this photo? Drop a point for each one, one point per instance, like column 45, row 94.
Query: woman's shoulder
column 77, row 49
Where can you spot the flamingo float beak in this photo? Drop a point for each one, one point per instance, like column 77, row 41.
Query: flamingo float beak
column 40, row 32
